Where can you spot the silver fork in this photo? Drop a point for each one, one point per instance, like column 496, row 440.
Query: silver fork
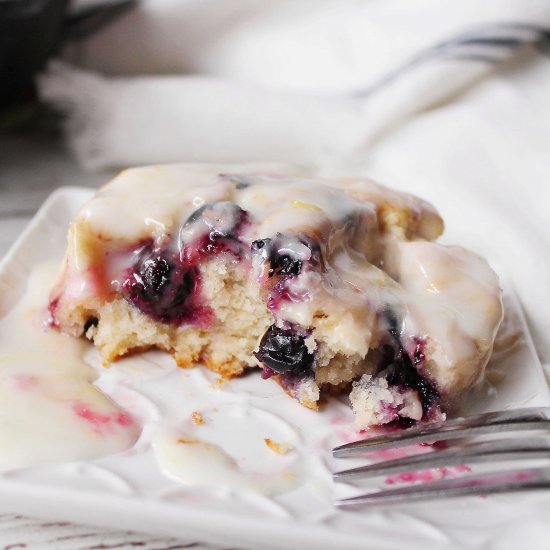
column 513, row 448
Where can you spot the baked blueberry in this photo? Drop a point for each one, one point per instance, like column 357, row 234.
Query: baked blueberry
column 285, row 254
column 285, row 351
column 90, row 322
column 285, row 265
column 159, row 285
column 221, row 219
column 400, row 370
column 212, row 229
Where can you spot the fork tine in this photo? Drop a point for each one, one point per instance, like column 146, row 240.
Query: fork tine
column 486, row 484
column 535, row 418
column 488, row 451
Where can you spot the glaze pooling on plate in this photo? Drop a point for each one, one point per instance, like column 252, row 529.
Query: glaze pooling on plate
column 323, row 283
column 50, row 410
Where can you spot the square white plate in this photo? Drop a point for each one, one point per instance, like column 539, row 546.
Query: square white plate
column 128, row 490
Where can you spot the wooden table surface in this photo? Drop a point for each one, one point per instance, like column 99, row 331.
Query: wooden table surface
column 31, row 167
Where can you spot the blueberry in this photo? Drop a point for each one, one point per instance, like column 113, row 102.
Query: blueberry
column 260, row 245
column 285, row 265
column 159, row 286
column 284, row 253
column 401, row 373
column 427, row 393
column 393, row 329
column 285, row 351
column 90, row 322
column 155, row 274
column 222, row 218
column 400, row 369
column 211, row 230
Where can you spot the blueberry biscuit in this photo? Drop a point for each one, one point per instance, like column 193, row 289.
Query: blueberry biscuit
column 327, row 285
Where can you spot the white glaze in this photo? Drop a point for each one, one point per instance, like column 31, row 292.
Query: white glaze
column 228, row 449
column 50, row 410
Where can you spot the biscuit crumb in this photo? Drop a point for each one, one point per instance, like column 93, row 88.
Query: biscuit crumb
column 197, row 418
column 219, row 382
column 279, row 448
column 184, row 441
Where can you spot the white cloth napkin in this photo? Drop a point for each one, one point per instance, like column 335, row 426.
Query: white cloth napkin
column 443, row 98
column 296, row 80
